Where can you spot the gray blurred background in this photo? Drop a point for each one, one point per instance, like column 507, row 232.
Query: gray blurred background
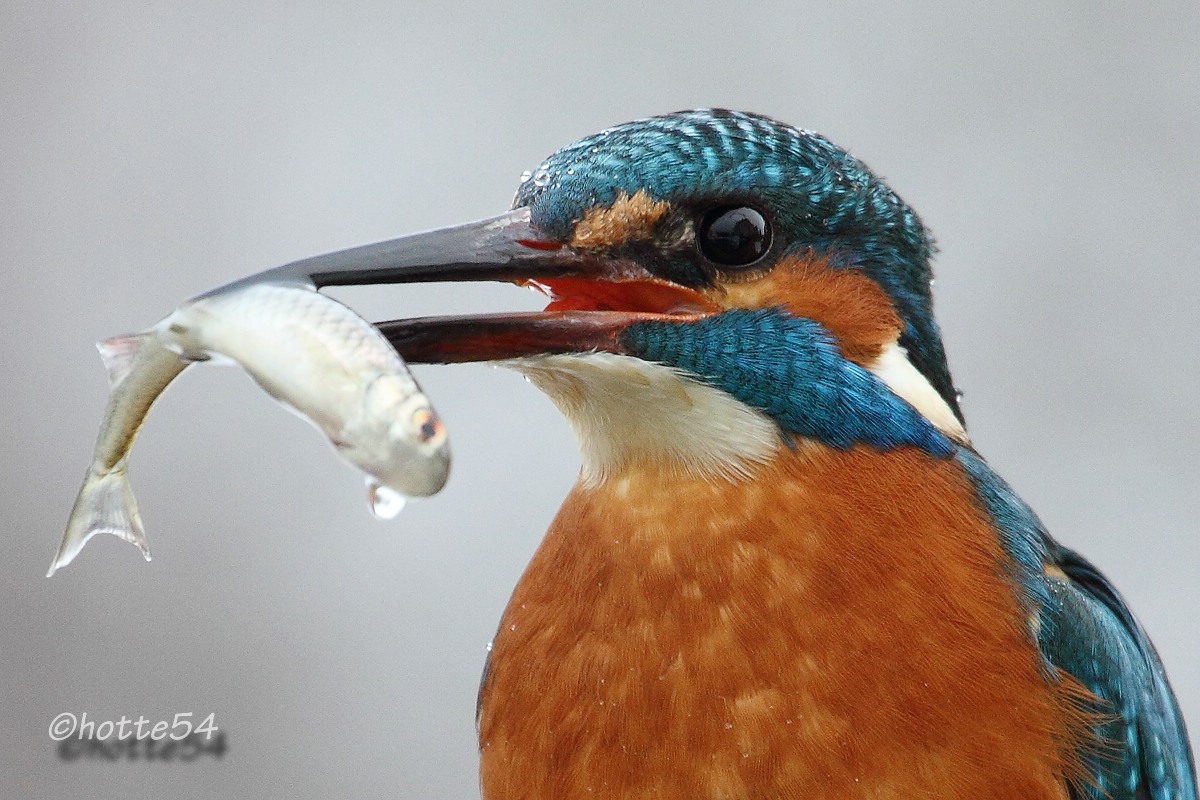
column 147, row 154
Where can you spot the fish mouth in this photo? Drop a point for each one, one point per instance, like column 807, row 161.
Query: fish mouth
column 592, row 298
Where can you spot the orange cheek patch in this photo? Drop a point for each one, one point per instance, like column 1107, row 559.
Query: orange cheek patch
column 629, row 218
column 850, row 305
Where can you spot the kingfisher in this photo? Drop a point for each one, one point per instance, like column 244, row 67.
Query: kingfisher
column 784, row 570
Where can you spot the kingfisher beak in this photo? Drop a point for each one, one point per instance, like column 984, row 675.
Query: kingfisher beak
column 592, row 298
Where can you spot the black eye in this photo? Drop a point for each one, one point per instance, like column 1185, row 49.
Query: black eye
column 734, row 236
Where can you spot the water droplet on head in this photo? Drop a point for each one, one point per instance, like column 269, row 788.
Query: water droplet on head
column 526, row 175
column 385, row 502
column 541, row 178
column 570, row 170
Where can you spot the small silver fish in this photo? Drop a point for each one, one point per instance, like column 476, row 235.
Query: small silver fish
column 310, row 353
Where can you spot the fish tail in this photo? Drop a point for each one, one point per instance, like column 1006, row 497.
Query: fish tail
column 105, row 505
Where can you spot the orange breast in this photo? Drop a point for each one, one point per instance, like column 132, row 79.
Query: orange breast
column 840, row 627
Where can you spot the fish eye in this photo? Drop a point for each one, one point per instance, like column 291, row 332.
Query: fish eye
column 427, row 425
column 733, row 236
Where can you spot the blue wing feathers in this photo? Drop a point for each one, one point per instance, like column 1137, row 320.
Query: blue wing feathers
column 1087, row 630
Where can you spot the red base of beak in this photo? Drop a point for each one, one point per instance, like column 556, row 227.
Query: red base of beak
column 452, row 340
column 584, row 315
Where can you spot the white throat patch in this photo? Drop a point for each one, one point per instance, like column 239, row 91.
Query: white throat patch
column 625, row 411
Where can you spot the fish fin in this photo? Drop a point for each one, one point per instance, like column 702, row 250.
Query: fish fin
column 118, row 354
column 105, row 505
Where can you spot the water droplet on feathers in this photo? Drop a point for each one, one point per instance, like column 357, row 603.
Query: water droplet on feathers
column 541, row 178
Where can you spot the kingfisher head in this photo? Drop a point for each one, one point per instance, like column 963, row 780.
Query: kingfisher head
column 720, row 284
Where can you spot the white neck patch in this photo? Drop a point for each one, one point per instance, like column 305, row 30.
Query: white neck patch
column 893, row 368
column 625, row 410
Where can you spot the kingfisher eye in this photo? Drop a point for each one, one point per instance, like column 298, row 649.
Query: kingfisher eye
column 733, row 236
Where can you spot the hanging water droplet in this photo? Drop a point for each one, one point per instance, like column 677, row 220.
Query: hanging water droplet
column 932, row 281
column 958, row 395
column 385, row 503
column 526, row 175
column 541, row 178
